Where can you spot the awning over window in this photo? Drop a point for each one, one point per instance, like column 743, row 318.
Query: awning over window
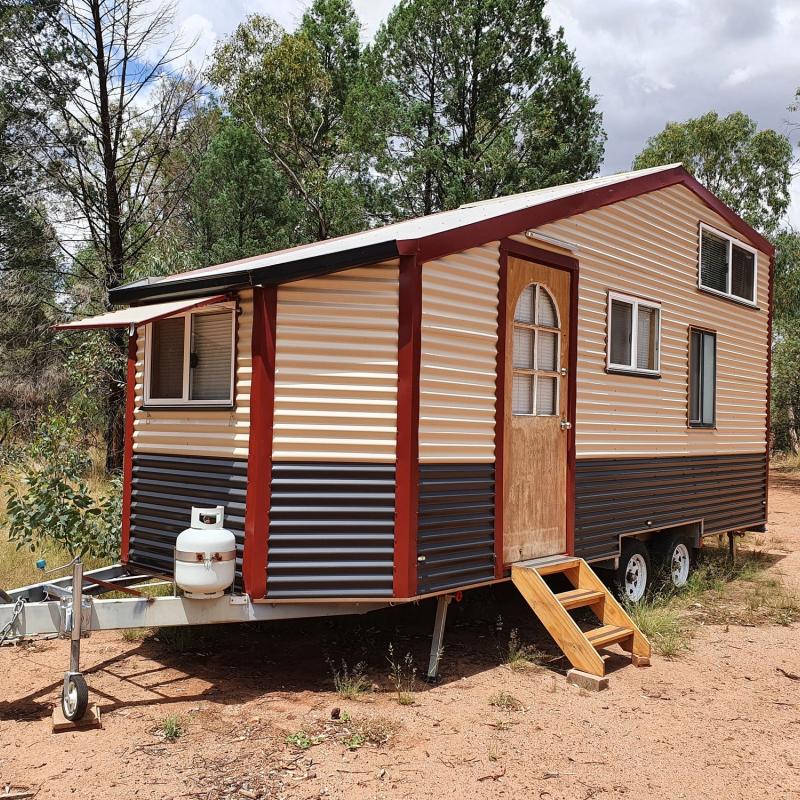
column 139, row 315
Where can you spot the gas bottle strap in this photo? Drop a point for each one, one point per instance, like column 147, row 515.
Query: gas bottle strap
column 195, row 557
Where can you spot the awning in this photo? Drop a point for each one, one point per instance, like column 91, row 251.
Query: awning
column 139, row 315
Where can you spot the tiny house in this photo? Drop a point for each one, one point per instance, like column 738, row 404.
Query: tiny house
column 577, row 372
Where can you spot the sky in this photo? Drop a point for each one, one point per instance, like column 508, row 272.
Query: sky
column 649, row 61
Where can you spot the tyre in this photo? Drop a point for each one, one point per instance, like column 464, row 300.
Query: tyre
column 75, row 697
column 672, row 554
column 633, row 576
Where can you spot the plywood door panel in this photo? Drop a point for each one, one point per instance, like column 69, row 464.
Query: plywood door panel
column 535, row 469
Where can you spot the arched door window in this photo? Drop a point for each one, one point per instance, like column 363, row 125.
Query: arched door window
column 536, row 354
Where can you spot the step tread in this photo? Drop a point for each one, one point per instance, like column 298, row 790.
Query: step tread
column 577, row 598
column 608, row 634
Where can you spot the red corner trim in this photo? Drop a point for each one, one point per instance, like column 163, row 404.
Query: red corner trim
column 510, row 247
column 407, row 458
column 127, row 457
column 770, row 313
column 259, row 457
column 500, row 416
column 441, row 244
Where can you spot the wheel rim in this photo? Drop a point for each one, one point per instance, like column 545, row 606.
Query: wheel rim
column 71, row 699
column 635, row 578
column 680, row 565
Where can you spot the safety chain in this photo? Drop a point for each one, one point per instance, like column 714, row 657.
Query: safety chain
column 6, row 632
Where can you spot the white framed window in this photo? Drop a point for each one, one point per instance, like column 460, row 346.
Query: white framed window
column 702, row 378
column 536, row 354
column 190, row 358
column 727, row 267
column 634, row 335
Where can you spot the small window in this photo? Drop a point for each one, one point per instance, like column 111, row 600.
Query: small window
column 727, row 266
column 702, row 378
column 634, row 335
column 190, row 359
column 536, row 354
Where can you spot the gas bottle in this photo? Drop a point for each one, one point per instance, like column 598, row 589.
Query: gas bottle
column 205, row 555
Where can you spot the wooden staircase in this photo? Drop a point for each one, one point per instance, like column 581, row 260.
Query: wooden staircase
column 580, row 647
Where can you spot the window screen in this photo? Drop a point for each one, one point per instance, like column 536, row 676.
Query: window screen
column 621, row 332
column 743, row 273
column 166, row 359
column 647, row 337
column 211, row 357
column 714, row 262
column 702, row 378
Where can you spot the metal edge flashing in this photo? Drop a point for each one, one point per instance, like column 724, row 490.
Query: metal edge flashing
column 548, row 258
column 767, row 432
column 409, row 345
column 127, row 457
column 312, row 267
column 259, row 453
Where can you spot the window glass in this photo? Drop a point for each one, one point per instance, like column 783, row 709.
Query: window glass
column 523, row 347
column 647, row 338
column 546, row 395
column 546, row 310
column 524, row 311
column 211, row 356
column 522, row 394
column 714, row 262
column 166, row 359
column 743, row 269
column 702, row 378
column 548, row 351
column 621, row 332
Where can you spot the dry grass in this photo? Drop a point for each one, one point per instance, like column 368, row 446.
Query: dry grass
column 785, row 462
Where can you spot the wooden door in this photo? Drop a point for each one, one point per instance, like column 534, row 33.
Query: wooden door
column 536, row 378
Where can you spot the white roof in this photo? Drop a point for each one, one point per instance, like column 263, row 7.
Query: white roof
column 417, row 228
column 138, row 315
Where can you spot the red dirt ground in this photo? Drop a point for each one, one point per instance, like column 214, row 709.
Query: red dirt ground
column 722, row 721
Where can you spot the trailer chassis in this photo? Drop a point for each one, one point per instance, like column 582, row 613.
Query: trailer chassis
column 71, row 608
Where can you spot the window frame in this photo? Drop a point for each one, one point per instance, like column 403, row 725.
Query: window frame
column 692, row 424
column 731, row 240
column 535, row 371
column 635, row 302
column 188, row 329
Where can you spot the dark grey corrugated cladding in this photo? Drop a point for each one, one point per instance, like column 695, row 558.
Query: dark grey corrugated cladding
column 164, row 489
column 331, row 531
column 455, row 530
column 620, row 495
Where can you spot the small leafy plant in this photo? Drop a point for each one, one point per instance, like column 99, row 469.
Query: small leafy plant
column 505, row 702
column 302, row 741
column 172, row 728
column 403, row 674
column 354, row 741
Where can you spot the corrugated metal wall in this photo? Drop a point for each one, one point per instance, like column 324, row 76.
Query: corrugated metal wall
column 455, row 534
column 458, row 357
column 333, row 491
column 621, row 495
column 331, row 530
column 336, row 367
column 647, row 247
column 164, row 490
column 196, row 431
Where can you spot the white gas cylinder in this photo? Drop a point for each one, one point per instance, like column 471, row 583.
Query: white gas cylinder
column 205, row 555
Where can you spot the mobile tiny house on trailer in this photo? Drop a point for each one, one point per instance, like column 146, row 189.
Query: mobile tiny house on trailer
column 579, row 372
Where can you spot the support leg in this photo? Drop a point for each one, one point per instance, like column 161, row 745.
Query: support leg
column 75, row 695
column 732, row 546
column 438, row 636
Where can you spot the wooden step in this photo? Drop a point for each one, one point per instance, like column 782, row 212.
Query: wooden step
column 578, row 598
column 550, row 565
column 608, row 634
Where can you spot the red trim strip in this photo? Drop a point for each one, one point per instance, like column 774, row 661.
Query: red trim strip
column 500, row 416
column 259, row 456
column 127, row 458
column 407, row 458
column 768, row 433
column 441, row 244
column 510, row 247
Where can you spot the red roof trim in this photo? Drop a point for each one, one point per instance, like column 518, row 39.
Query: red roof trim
column 442, row 244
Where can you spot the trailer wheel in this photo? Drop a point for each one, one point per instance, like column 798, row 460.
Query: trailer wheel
column 674, row 558
column 633, row 575
column 75, row 697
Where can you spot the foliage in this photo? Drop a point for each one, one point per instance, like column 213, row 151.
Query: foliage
column 292, row 89
column 661, row 623
column 521, row 655
column 302, row 741
column 172, row 728
column 55, row 504
column 505, row 702
column 748, row 169
column 403, row 674
column 350, row 683
column 476, row 104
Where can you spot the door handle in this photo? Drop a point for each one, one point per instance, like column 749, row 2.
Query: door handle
column 565, row 425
